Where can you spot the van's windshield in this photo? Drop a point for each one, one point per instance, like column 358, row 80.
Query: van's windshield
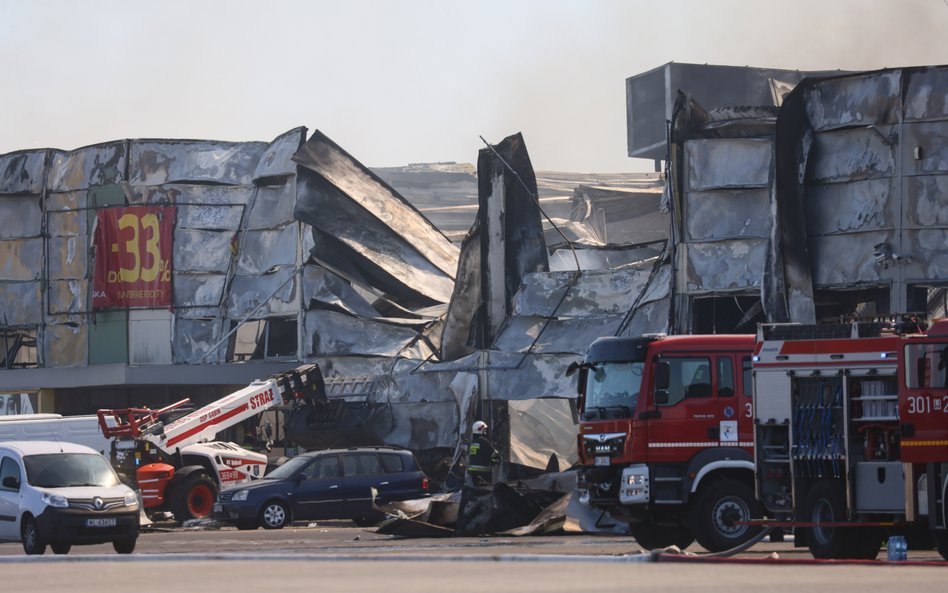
column 613, row 385
column 63, row 470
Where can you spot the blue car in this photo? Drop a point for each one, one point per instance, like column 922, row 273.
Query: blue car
column 331, row 484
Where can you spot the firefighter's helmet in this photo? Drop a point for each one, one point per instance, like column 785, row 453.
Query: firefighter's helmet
column 479, row 427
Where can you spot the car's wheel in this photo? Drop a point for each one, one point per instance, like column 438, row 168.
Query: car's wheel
column 61, row 548
column 33, row 544
column 824, row 506
column 245, row 524
column 193, row 497
column 651, row 536
column 720, row 512
column 124, row 546
column 274, row 515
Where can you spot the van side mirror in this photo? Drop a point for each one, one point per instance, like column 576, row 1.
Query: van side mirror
column 11, row 482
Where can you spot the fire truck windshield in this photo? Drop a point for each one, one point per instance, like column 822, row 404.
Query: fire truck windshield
column 613, row 385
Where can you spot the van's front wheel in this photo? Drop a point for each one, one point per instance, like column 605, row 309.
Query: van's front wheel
column 33, row 544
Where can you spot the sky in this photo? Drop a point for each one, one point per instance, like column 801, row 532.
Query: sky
column 399, row 82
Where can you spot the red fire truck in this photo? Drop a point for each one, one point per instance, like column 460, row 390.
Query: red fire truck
column 666, row 437
column 851, row 436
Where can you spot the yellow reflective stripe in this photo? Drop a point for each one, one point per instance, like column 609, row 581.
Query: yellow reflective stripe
column 908, row 443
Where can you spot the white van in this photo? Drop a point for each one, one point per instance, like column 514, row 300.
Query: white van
column 63, row 494
column 83, row 430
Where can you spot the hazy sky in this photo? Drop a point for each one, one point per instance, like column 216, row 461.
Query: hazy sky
column 411, row 81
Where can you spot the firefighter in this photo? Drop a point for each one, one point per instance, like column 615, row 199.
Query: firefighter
column 481, row 457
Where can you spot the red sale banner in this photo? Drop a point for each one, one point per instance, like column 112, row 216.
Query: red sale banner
column 133, row 257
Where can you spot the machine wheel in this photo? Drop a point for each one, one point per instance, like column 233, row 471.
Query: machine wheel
column 941, row 542
column 60, row 548
column 719, row 512
column 651, row 536
column 124, row 546
column 245, row 524
column 33, row 545
column 193, row 497
column 274, row 515
column 825, row 504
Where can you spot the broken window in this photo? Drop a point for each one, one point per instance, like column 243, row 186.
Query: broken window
column 732, row 314
column 19, row 348
column 263, row 339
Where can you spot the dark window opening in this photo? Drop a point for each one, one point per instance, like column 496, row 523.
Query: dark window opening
column 263, row 339
column 726, row 315
column 19, row 348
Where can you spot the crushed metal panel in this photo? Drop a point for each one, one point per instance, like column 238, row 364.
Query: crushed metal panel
column 864, row 100
column 591, row 294
column 68, row 296
column 65, row 343
column 276, row 162
column 851, row 155
column 928, row 251
column 847, row 260
column 68, row 257
column 605, row 258
column 204, row 195
column 424, row 411
column 155, row 162
column 90, row 166
column 274, row 293
column 272, row 206
column 19, row 303
column 926, row 93
column 217, row 217
column 202, row 251
column 23, row 172
column 513, row 376
column 21, row 259
column 540, row 428
column 721, row 163
column 848, row 207
column 328, row 333
column 328, row 160
column 543, row 335
column 27, row 213
column 265, row 250
column 727, row 265
column 649, row 318
column 323, row 289
column 727, row 214
column 925, row 148
column 198, row 290
column 925, row 201
column 194, row 338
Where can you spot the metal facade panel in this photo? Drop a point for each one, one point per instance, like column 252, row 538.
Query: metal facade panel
column 850, row 155
column 265, row 250
column 108, row 337
column 925, row 201
column 274, row 293
column 149, row 336
column 202, row 251
column 102, row 164
column 515, row 376
column 68, row 257
column 277, row 160
column 198, row 290
column 323, row 289
column 728, row 162
column 725, row 265
column 329, row 333
column 926, row 94
column 593, row 293
column 925, row 148
column 65, row 345
column 73, row 200
column 202, row 195
column 847, row 260
column 649, row 318
column 547, row 336
column 27, row 213
column 155, row 162
column 21, row 259
column 209, row 218
column 729, row 214
column 68, row 296
column 194, row 338
column 68, row 223
column 20, row 303
column 272, row 206
column 852, row 207
column 562, row 260
column 928, row 253
column 23, row 172
column 865, row 100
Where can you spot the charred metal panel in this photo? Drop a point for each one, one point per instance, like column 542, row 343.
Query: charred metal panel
column 376, row 198
column 728, row 265
column 925, row 96
column 540, row 429
column 851, row 155
column 68, row 257
column 101, row 164
column 274, row 293
column 649, row 318
column 734, row 214
column 324, row 290
column 276, row 162
column 606, row 292
column 65, row 344
column 846, row 260
column 511, row 376
column 67, row 224
column 458, row 335
column 864, row 100
column 272, row 206
column 202, row 251
column 156, row 162
column 23, row 172
column 26, row 211
column 925, row 201
column 334, row 334
column 265, row 250
column 20, row 303
column 209, row 217
column 849, row 207
column 546, row 336
column 604, row 258
column 728, row 162
column 21, row 259
column 925, row 148
column 198, row 290
column 68, row 296
column 74, row 200
column 925, row 253
column 194, row 338
column 204, row 195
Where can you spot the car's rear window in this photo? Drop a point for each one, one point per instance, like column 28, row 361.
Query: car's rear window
column 393, row 463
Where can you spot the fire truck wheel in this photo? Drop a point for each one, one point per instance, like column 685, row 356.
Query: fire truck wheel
column 719, row 513
column 193, row 498
column 941, row 542
column 651, row 536
column 825, row 504
column 274, row 515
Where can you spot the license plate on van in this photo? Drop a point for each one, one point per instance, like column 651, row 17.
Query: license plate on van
column 103, row 522
column 602, row 460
